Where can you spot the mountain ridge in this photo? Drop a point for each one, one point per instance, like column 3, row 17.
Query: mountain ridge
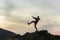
column 37, row 35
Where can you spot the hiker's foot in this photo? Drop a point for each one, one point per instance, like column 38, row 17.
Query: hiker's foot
column 28, row 23
column 36, row 30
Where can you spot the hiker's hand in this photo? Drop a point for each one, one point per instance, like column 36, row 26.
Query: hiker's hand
column 32, row 16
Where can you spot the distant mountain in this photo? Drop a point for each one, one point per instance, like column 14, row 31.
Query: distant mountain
column 38, row 35
column 6, row 33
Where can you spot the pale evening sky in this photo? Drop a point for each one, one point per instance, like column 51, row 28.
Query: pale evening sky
column 14, row 15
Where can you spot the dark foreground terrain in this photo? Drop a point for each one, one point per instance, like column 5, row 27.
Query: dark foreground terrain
column 40, row 35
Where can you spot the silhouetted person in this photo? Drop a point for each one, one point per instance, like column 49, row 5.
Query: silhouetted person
column 35, row 22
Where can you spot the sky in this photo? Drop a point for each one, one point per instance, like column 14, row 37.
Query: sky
column 14, row 15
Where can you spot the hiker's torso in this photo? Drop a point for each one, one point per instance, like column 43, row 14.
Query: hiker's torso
column 37, row 20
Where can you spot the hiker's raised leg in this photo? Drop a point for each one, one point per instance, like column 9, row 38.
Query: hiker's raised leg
column 31, row 22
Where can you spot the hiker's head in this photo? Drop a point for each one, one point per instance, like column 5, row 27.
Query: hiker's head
column 38, row 16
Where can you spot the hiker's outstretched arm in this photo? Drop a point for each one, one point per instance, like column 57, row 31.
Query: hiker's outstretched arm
column 34, row 17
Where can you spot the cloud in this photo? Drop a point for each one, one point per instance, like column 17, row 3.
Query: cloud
column 9, row 6
column 19, row 12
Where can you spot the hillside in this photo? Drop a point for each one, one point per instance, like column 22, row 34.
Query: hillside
column 40, row 35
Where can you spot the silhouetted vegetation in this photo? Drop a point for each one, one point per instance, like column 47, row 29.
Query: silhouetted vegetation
column 39, row 35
